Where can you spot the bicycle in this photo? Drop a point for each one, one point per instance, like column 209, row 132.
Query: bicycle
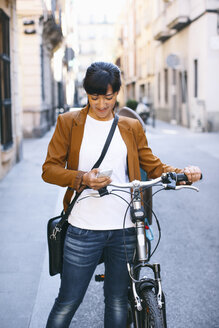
column 146, row 300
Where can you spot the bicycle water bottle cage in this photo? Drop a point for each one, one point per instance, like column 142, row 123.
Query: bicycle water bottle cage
column 169, row 180
column 137, row 214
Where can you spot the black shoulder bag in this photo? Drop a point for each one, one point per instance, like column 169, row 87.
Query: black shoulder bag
column 57, row 226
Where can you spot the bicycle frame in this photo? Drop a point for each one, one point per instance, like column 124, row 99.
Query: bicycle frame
column 142, row 255
column 168, row 181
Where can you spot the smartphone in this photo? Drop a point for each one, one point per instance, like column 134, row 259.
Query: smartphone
column 106, row 173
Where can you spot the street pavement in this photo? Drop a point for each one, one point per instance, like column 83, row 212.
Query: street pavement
column 188, row 252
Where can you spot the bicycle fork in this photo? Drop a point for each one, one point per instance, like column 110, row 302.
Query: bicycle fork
column 148, row 283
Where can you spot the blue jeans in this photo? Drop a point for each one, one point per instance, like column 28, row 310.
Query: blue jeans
column 82, row 252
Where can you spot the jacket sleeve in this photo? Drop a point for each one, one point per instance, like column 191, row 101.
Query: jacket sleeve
column 148, row 161
column 54, row 167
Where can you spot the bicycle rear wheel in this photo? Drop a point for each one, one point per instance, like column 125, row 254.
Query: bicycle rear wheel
column 151, row 313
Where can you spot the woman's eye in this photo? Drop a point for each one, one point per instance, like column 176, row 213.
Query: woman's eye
column 94, row 98
column 109, row 98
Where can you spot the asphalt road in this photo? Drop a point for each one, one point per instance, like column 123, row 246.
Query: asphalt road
column 189, row 247
column 188, row 252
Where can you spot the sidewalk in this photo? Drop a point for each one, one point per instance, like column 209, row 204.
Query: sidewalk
column 26, row 203
column 27, row 292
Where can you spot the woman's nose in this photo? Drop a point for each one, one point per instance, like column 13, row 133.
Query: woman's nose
column 101, row 103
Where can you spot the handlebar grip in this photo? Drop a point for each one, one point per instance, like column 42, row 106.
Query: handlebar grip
column 183, row 177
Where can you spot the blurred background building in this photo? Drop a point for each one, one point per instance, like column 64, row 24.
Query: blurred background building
column 10, row 104
column 167, row 50
column 169, row 53
column 44, row 62
column 37, row 70
column 96, row 37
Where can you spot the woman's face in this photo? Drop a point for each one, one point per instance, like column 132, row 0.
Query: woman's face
column 101, row 106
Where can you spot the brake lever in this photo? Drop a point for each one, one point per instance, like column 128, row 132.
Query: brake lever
column 187, row 186
column 169, row 181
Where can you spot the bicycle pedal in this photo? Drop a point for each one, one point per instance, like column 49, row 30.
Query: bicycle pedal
column 99, row 277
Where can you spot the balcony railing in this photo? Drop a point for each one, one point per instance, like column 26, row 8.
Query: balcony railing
column 161, row 31
column 177, row 14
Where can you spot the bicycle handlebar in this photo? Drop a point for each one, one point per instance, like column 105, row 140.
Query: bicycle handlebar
column 168, row 180
column 137, row 183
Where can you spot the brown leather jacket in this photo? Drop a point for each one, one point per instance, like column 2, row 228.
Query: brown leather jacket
column 61, row 164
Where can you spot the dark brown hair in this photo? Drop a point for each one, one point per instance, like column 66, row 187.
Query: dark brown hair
column 99, row 75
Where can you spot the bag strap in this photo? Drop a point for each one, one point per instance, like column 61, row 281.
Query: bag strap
column 96, row 165
column 103, row 191
column 107, row 143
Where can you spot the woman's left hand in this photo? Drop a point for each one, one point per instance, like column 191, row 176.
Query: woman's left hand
column 91, row 180
column 193, row 173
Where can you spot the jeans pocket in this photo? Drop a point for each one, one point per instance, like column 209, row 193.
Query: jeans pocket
column 75, row 231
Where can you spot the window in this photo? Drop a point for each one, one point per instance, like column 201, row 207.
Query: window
column 42, row 72
column 149, row 90
column 5, row 83
column 174, row 77
column 196, row 78
column 158, row 89
column 166, row 85
column 183, row 85
column 142, row 91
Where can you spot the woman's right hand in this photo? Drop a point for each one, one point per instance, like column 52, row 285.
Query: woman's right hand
column 90, row 179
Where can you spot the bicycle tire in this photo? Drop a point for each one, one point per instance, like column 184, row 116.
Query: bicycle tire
column 151, row 313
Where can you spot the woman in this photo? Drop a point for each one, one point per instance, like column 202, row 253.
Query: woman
column 96, row 222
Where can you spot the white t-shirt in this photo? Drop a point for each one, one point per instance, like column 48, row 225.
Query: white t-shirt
column 107, row 212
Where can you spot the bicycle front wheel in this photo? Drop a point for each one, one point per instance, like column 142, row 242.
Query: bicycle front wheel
column 130, row 316
column 151, row 313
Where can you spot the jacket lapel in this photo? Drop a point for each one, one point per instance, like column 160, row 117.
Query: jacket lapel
column 127, row 136
column 76, row 137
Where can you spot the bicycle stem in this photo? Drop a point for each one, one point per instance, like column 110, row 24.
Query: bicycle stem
column 140, row 227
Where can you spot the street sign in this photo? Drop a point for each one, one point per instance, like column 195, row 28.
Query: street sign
column 173, row 61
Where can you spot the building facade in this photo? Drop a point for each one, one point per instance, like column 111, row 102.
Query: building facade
column 10, row 105
column 96, row 35
column 37, row 71
column 40, row 34
column 173, row 46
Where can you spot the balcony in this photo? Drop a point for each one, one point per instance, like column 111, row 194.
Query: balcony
column 161, row 32
column 52, row 32
column 162, row 36
column 178, row 14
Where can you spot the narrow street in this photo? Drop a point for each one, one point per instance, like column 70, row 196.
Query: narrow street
column 188, row 252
